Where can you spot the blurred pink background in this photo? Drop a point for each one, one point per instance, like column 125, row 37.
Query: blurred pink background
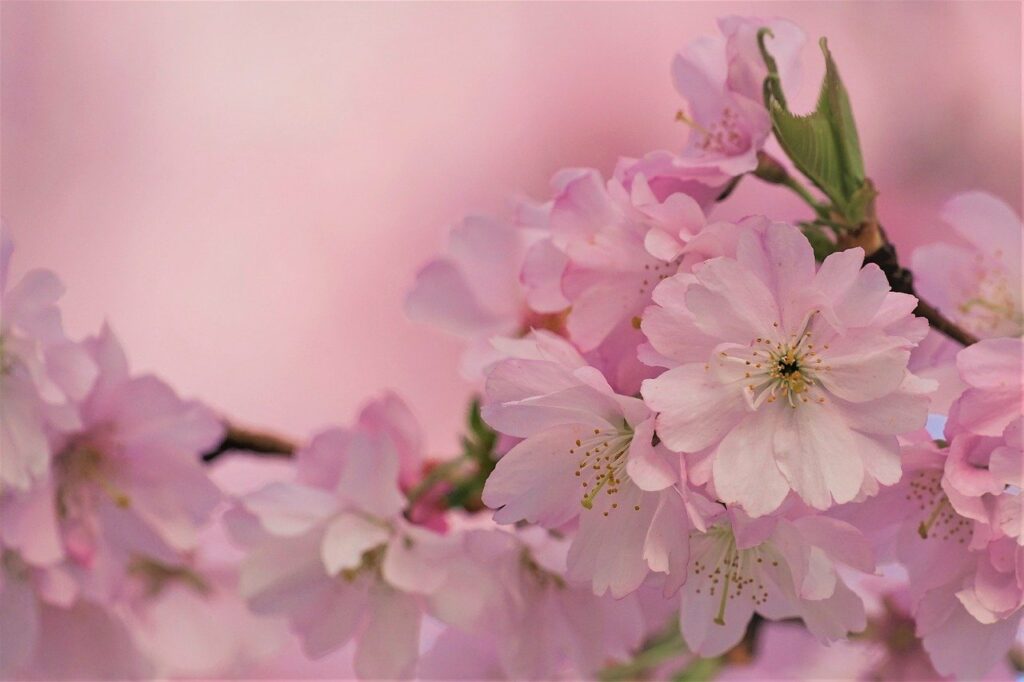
column 246, row 190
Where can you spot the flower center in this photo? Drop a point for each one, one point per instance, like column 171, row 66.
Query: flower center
column 991, row 309
column 371, row 562
column 602, row 463
column 774, row 369
column 77, row 465
column 722, row 136
column 725, row 572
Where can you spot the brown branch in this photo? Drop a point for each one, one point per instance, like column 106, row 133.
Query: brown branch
column 253, row 442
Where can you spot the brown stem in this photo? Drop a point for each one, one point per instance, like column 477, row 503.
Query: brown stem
column 253, row 442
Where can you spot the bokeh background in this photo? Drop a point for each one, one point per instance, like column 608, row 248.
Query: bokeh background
column 245, row 191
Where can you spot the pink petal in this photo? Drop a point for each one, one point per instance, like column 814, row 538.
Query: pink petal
column 645, row 466
column 289, row 509
column 389, row 645
column 695, row 411
column 744, row 469
column 535, row 481
column 818, row 455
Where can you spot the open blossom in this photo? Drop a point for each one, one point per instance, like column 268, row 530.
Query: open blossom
column 515, row 614
column 127, row 485
column 333, row 553
column 785, row 377
column 977, row 285
column 41, row 373
column 780, row 567
column 587, row 452
column 721, row 79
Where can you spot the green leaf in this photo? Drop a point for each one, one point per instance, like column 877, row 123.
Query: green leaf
column 824, row 144
column 861, row 204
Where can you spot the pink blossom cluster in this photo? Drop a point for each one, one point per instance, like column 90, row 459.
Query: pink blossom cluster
column 689, row 426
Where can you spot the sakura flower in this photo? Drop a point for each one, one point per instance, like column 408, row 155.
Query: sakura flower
column 965, row 585
column 333, row 554
column 721, row 79
column 977, row 285
column 616, row 245
column 41, row 373
column 785, row 377
column 778, row 567
column 125, row 485
column 587, row 452
column 517, row 616
column 129, row 483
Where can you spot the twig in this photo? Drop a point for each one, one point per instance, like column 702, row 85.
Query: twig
column 253, row 442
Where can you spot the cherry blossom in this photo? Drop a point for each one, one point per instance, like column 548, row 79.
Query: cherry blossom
column 779, row 567
column 129, row 484
column 587, row 453
column 332, row 552
column 721, row 79
column 785, row 377
column 616, row 245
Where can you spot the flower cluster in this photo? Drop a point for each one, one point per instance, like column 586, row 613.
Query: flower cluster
column 686, row 427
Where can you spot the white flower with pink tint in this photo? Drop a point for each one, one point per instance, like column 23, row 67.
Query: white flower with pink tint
column 780, row 567
column 516, row 615
column 333, row 553
column 587, row 453
column 721, row 79
column 41, row 373
column 126, row 486
column 785, row 377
